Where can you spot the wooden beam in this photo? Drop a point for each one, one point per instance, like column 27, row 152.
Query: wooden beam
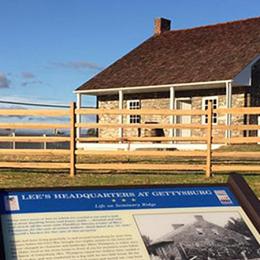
column 150, row 126
column 237, row 140
column 238, row 111
column 244, row 140
column 143, row 153
column 121, row 118
column 142, row 139
column 35, row 165
column 34, row 139
column 34, row 112
column 236, row 154
column 72, row 139
column 228, row 105
column 166, row 112
column 209, row 140
column 172, row 107
column 78, row 116
column 136, row 166
column 237, row 127
column 236, row 168
column 32, row 126
column 34, row 152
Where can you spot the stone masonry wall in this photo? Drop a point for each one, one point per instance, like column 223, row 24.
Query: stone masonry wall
column 161, row 101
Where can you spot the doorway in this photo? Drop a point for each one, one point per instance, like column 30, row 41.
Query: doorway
column 183, row 104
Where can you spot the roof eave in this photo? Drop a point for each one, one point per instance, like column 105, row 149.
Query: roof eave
column 177, row 86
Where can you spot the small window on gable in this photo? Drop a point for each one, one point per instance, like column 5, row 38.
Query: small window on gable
column 205, row 103
column 134, row 104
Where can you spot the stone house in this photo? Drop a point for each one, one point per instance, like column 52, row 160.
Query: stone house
column 182, row 69
column 202, row 240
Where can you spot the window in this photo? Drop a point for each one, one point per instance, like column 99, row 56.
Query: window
column 205, row 102
column 134, row 104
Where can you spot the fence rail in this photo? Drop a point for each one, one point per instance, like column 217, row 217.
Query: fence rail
column 166, row 112
column 34, row 112
column 207, row 137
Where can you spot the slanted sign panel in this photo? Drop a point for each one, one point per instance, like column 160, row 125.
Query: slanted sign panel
column 197, row 222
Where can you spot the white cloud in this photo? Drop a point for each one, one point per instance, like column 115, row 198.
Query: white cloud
column 31, row 82
column 27, row 75
column 77, row 65
column 4, row 81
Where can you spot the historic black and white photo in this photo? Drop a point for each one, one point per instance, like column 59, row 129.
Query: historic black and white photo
column 210, row 236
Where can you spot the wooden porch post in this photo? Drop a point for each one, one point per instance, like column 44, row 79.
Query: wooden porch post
column 78, row 117
column 120, row 104
column 209, row 140
column 172, row 107
column 72, row 140
column 228, row 105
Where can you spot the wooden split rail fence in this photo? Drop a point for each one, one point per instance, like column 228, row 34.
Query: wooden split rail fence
column 207, row 138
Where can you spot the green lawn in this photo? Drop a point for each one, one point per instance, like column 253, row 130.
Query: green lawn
column 30, row 178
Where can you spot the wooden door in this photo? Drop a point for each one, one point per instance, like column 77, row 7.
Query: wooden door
column 184, row 104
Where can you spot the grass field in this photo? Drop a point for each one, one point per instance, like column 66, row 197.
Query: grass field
column 30, row 178
column 50, row 178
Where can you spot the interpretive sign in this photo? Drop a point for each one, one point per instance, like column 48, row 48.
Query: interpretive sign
column 148, row 222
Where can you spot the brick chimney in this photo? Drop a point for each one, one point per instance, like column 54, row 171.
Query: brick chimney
column 161, row 25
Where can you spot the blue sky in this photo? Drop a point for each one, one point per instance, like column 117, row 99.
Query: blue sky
column 50, row 47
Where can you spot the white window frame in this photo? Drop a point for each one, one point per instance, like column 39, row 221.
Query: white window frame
column 129, row 107
column 204, row 108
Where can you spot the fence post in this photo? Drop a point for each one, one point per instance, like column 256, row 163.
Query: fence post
column 209, row 140
column 72, row 139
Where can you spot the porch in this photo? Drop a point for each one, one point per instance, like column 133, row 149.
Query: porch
column 177, row 97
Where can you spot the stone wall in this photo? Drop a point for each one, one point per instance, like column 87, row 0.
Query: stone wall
column 147, row 101
column 238, row 100
column 161, row 101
